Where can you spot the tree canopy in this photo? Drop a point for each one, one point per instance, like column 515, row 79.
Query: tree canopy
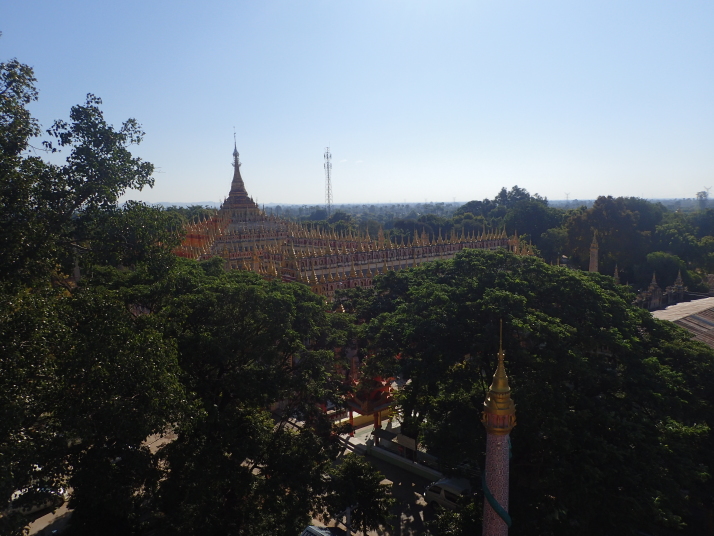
column 605, row 393
column 355, row 484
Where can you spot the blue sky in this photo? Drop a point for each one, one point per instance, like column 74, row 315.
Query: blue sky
column 418, row 100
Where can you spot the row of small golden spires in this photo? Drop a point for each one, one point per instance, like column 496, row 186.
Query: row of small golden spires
column 269, row 268
column 347, row 247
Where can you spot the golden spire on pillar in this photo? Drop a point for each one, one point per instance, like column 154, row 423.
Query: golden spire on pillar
column 499, row 411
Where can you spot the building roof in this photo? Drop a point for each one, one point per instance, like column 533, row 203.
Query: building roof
column 680, row 310
column 697, row 317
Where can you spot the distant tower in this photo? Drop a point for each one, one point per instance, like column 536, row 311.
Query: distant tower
column 328, row 181
column 702, row 197
column 617, row 275
column 499, row 418
column 594, row 254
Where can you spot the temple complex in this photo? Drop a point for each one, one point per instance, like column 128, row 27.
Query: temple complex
column 249, row 239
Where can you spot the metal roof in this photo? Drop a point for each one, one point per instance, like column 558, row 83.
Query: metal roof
column 697, row 317
column 680, row 310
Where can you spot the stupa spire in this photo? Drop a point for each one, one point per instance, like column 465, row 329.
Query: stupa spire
column 237, row 186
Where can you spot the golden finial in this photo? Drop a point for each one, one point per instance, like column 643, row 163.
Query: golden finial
column 499, row 412
column 314, row 276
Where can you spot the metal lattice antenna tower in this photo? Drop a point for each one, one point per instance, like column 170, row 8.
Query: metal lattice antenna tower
column 328, row 181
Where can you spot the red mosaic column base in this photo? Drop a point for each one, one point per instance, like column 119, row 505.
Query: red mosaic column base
column 497, row 473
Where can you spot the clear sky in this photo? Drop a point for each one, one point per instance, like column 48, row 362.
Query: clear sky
column 436, row 100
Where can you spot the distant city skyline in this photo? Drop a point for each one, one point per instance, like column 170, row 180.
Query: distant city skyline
column 417, row 100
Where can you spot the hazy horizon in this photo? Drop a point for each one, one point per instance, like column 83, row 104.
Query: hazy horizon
column 336, row 206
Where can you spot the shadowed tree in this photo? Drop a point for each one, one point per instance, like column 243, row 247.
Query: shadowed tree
column 355, row 483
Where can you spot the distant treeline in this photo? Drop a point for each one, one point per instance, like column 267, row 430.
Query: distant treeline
column 639, row 237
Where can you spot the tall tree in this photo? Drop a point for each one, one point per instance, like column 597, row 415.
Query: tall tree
column 44, row 207
column 355, row 484
column 605, row 392
column 533, row 218
column 119, row 381
column 32, row 329
column 247, row 347
column 622, row 240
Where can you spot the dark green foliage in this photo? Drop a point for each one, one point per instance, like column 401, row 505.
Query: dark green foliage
column 44, row 209
column 119, row 385
column 355, row 483
column 100, row 166
column 408, row 227
column 459, row 522
column 630, row 230
column 338, row 216
column 553, row 244
column 132, row 235
column 319, row 215
column 17, row 87
column 532, row 218
column 703, row 222
column 622, row 240
column 677, row 237
column 31, row 328
column 235, row 466
column 190, row 214
column 605, row 393
column 476, row 208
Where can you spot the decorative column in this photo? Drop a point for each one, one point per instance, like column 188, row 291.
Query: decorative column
column 499, row 418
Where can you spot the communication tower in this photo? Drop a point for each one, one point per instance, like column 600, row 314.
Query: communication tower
column 328, row 181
